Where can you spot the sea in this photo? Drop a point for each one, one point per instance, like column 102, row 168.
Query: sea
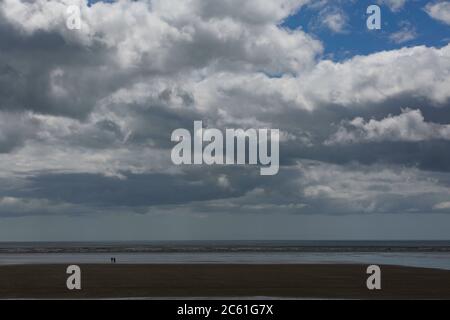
column 424, row 254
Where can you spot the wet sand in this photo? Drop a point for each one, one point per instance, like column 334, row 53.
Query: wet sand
column 195, row 280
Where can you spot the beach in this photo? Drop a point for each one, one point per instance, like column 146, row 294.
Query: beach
column 303, row 281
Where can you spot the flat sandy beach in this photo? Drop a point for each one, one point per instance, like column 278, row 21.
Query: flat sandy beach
column 177, row 280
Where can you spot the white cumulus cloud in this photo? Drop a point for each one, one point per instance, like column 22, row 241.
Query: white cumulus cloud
column 409, row 126
column 439, row 11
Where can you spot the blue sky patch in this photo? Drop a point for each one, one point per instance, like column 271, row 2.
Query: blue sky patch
column 408, row 26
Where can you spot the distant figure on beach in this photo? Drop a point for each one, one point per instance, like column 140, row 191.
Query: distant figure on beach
column 113, row 260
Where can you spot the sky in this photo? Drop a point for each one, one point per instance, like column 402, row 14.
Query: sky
column 341, row 26
column 86, row 118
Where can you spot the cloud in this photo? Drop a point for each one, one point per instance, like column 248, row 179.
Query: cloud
column 177, row 32
column 409, row 126
column 418, row 71
column 394, row 5
column 335, row 20
column 439, row 11
column 309, row 187
column 16, row 129
column 317, row 188
column 442, row 206
column 405, row 34
column 18, row 207
column 86, row 116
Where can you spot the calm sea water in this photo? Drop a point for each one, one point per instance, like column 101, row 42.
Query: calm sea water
column 432, row 254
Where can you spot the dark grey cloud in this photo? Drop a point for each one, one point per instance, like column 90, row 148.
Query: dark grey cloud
column 131, row 190
column 306, row 188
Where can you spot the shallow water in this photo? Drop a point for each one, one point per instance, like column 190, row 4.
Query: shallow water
column 439, row 260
